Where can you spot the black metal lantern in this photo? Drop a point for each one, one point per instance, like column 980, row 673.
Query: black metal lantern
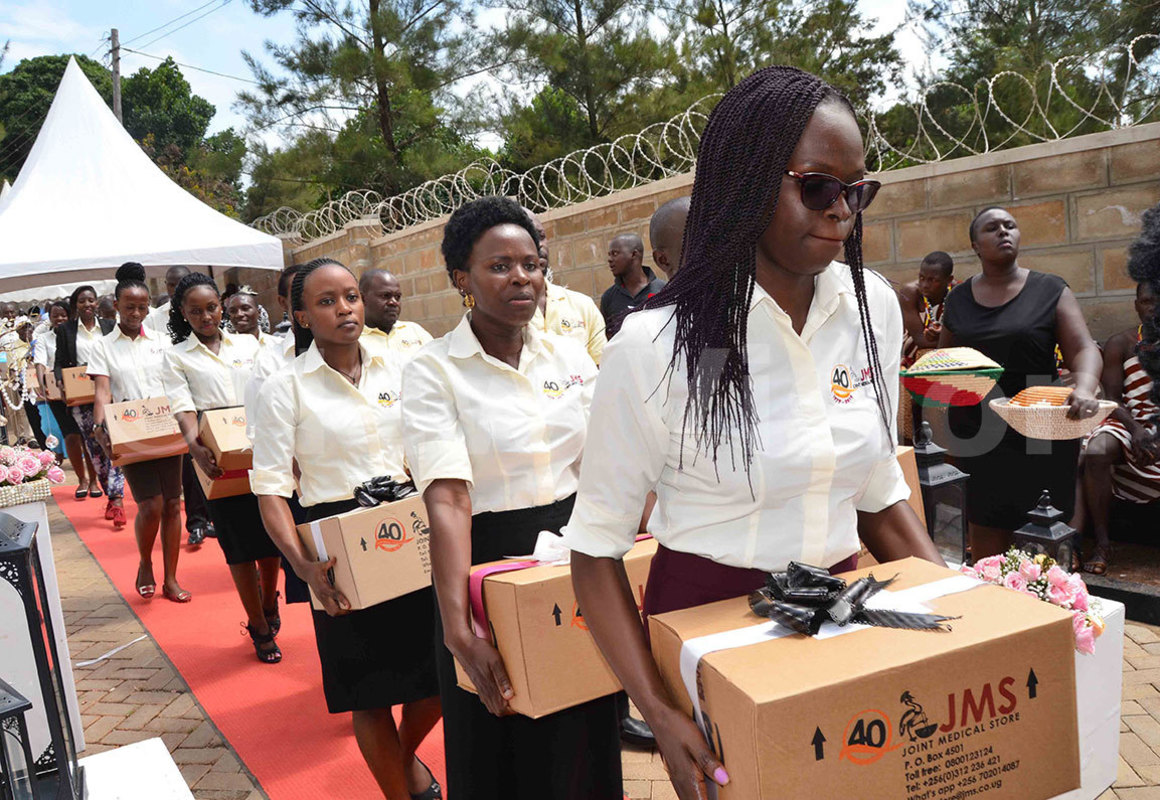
column 1047, row 533
column 57, row 776
column 940, row 482
column 16, row 765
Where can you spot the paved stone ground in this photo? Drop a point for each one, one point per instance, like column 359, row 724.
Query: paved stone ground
column 137, row 694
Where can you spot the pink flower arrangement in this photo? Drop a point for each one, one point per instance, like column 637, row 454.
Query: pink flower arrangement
column 21, row 465
column 1041, row 577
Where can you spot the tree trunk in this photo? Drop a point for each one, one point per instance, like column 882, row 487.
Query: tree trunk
column 383, row 95
column 586, row 73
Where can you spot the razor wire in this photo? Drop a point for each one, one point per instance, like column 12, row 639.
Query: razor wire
column 1114, row 88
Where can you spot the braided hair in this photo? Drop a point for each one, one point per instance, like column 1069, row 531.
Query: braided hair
column 179, row 327
column 1144, row 267
column 130, row 275
column 302, row 336
column 744, row 151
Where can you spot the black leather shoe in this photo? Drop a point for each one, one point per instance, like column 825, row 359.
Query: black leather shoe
column 637, row 733
column 210, row 531
column 196, row 535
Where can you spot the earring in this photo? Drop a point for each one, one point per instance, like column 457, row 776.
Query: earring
column 468, row 301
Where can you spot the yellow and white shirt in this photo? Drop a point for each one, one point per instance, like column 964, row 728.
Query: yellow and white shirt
column 198, row 379
column 515, row 435
column 158, row 321
column 574, row 315
column 340, row 435
column 133, row 366
column 274, row 354
column 822, row 453
column 405, row 338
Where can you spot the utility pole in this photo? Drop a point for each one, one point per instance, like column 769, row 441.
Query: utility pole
column 115, row 42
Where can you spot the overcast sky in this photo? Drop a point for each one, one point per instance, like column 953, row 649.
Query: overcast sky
column 213, row 37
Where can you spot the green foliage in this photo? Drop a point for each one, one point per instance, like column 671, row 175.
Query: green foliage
column 288, row 177
column 25, row 96
column 159, row 103
column 550, row 126
column 375, row 75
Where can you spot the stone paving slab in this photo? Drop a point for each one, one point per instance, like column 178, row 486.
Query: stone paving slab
column 137, row 694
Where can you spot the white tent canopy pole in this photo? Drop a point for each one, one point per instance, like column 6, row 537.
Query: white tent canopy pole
column 88, row 199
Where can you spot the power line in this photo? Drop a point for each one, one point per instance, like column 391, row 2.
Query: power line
column 186, row 25
column 191, row 66
column 167, row 24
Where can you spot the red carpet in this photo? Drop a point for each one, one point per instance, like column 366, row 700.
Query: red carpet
column 274, row 716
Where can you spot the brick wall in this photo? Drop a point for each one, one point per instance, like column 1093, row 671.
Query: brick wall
column 1078, row 203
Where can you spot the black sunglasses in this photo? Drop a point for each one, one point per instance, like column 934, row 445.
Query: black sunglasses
column 820, row 191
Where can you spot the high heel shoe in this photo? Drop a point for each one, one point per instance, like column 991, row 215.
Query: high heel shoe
column 273, row 616
column 259, row 639
column 432, row 792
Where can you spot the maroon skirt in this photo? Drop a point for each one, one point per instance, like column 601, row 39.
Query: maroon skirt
column 679, row 580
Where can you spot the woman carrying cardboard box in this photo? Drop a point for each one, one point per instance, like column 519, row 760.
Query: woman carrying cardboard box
column 335, row 414
column 126, row 365
column 75, row 341
column 495, row 415
column 204, row 370
column 749, row 394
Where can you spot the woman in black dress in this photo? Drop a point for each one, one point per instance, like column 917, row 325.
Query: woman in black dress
column 1016, row 317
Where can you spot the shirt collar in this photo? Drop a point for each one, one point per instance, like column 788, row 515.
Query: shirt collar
column 463, row 343
column 312, row 359
column 146, row 332
column 648, row 273
column 829, row 287
column 192, row 342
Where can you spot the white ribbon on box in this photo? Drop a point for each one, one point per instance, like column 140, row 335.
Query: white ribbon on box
column 319, row 545
column 912, row 600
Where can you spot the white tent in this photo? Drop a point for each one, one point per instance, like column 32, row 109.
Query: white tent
column 58, row 290
column 88, row 199
column 4, row 190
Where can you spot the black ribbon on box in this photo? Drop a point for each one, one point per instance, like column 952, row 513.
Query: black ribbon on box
column 383, row 489
column 804, row 597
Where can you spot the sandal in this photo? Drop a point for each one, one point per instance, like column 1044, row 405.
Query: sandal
column 180, row 596
column 1098, row 563
column 432, row 792
column 272, row 656
column 81, row 493
column 273, row 617
column 95, row 493
column 146, row 590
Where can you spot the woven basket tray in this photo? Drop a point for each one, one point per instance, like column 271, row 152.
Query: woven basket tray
column 957, row 388
column 29, row 492
column 1049, row 422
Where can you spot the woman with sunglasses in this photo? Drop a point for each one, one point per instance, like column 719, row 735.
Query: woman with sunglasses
column 749, row 394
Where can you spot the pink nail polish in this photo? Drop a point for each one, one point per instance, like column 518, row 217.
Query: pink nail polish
column 721, row 776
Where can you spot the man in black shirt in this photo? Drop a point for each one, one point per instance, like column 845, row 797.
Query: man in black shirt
column 634, row 284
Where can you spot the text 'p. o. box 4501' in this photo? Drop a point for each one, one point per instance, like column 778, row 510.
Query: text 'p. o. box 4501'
column 381, row 553
column 987, row 709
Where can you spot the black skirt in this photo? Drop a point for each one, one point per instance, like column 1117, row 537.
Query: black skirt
column 380, row 656
column 573, row 754
column 64, row 418
column 240, row 531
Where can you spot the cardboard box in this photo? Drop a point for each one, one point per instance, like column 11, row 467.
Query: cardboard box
column 986, row 710
column 223, row 431
column 906, row 460
column 538, row 628
column 53, row 388
column 143, row 430
column 79, row 389
column 383, row 552
column 230, row 484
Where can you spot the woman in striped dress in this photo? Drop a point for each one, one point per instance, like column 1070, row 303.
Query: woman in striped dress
column 1122, row 454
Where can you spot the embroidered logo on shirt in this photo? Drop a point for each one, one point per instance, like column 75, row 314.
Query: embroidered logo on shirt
column 556, row 389
column 388, row 399
column 845, row 381
column 567, row 325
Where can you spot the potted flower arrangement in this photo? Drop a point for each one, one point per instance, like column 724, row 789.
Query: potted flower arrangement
column 1040, row 576
column 26, row 474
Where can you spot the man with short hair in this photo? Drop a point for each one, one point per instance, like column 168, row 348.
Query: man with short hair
column 635, row 283
column 563, row 311
column 107, row 308
column 666, row 232
column 923, row 302
column 158, row 319
column 383, row 300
